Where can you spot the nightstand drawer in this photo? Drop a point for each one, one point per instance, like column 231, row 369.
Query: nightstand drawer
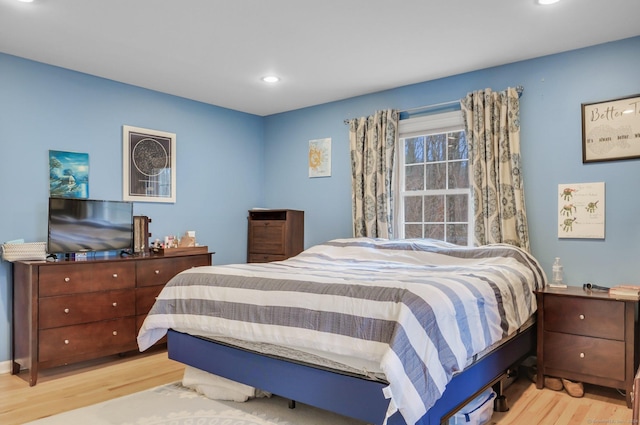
column 583, row 316
column 581, row 354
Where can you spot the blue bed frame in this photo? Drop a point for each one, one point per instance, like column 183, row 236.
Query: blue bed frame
column 348, row 395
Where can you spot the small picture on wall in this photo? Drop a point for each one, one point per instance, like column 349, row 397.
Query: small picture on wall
column 581, row 208
column 68, row 174
column 320, row 158
column 149, row 165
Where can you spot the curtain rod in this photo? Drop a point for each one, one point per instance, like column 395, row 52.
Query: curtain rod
column 519, row 89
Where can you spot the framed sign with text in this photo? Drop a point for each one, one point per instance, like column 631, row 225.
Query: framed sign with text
column 611, row 129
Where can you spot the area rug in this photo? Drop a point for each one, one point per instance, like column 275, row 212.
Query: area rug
column 174, row 404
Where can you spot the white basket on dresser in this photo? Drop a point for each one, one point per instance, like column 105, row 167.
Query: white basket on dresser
column 24, row 251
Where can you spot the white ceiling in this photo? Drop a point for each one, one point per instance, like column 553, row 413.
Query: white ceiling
column 216, row 51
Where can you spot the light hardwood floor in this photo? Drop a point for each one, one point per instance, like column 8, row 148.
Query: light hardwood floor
column 70, row 387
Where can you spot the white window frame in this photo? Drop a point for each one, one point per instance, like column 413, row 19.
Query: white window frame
column 420, row 126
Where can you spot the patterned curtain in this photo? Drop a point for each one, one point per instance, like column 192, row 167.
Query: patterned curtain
column 372, row 143
column 492, row 123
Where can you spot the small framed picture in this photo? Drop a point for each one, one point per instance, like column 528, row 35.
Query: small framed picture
column 149, row 165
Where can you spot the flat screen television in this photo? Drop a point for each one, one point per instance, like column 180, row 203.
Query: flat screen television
column 89, row 225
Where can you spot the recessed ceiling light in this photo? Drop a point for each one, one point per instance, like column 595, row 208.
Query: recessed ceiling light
column 547, row 2
column 26, row 1
column 270, row 79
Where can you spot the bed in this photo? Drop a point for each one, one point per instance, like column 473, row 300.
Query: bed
column 405, row 319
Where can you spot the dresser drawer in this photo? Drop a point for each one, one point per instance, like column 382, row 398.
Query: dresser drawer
column 146, row 297
column 586, row 355
column 160, row 271
column 89, row 340
column 68, row 310
column 60, row 279
column 584, row 316
column 268, row 237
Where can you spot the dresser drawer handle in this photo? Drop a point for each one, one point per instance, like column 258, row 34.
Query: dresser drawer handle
column 115, row 275
column 581, row 317
column 115, row 333
column 582, row 355
column 66, row 341
column 67, row 279
column 114, row 304
column 157, row 271
column 66, row 311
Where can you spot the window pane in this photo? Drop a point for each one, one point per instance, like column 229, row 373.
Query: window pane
column 457, row 208
column 414, row 150
column 457, row 145
column 412, row 231
column 436, row 175
column 434, row 231
column 436, row 147
column 458, row 174
column 413, row 209
column 457, row 234
column 414, row 177
column 434, row 209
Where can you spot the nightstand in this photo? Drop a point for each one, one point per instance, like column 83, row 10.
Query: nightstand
column 587, row 336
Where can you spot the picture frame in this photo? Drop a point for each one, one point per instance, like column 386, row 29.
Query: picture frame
column 611, row 129
column 320, row 158
column 68, row 174
column 149, row 165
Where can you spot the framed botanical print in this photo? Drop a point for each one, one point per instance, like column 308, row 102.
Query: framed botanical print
column 149, row 165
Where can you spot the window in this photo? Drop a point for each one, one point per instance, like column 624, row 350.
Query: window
column 434, row 189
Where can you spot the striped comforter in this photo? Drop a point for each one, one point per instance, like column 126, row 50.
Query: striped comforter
column 418, row 308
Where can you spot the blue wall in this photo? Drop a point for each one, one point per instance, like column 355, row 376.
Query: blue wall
column 551, row 144
column 229, row 162
column 220, row 158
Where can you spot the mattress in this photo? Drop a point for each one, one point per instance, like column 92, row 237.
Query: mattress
column 342, row 364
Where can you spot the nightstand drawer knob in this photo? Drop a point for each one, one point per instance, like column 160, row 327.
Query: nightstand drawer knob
column 66, row 341
column 157, row 272
column 115, row 275
column 582, row 355
column 581, row 317
column 115, row 304
column 66, row 310
column 66, row 279
column 115, row 333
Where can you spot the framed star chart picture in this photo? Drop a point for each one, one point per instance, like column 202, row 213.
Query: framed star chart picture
column 149, row 165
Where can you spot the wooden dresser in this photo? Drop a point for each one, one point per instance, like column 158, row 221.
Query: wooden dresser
column 587, row 336
column 65, row 312
column 274, row 235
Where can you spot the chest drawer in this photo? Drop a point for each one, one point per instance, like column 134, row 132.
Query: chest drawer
column 76, row 278
column 57, row 345
column 584, row 316
column 265, row 258
column 586, row 355
column 159, row 271
column 82, row 308
column 268, row 236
